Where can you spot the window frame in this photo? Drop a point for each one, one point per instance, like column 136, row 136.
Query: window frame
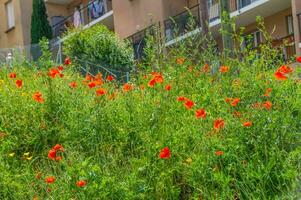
column 8, row 15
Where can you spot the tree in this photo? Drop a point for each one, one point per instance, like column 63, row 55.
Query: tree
column 204, row 15
column 39, row 22
column 226, row 26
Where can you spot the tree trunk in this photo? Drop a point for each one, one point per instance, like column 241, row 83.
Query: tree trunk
column 204, row 16
column 226, row 27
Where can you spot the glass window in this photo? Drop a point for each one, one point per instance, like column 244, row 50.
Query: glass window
column 10, row 14
column 289, row 24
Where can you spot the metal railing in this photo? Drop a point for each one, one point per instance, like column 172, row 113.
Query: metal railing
column 178, row 25
column 89, row 13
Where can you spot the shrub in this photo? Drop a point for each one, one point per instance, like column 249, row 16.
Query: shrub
column 99, row 45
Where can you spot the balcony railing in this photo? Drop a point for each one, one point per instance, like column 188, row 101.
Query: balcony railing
column 180, row 24
column 93, row 11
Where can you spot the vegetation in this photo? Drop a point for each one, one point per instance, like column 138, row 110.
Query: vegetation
column 99, row 45
column 187, row 128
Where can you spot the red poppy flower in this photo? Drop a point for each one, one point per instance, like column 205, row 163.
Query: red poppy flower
column 285, row 69
column 54, row 72
column 180, row 61
column 201, row 113
column 39, row 175
column 224, row 69
column 73, row 84
column 206, row 68
column 236, row 114
column 127, row 87
column 58, row 147
column 168, row 87
column 267, row 105
column 181, row 98
column 279, row 76
column 12, row 75
column 81, row 183
column 247, row 124
column 19, row 83
column 61, row 68
column 110, row 78
column 219, row 153
column 189, row 104
column 165, row 153
column 152, row 82
column 298, row 59
column 92, row 84
column 235, row 101
column 37, row 96
column 52, row 154
column 267, row 92
column 101, row 91
column 219, row 124
column 58, row 158
column 50, row 179
column 67, row 61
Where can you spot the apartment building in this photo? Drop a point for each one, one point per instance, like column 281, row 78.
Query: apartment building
column 129, row 19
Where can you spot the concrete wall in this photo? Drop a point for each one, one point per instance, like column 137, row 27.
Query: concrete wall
column 13, row 37
column 296, row 9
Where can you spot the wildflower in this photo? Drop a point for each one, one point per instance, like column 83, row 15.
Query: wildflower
column 152, row 82
column 50, row 179
column 26, row 154
column 67, row 61
column 235, row 101
column 54, row 72
column 58, row 158
column 247, row 124
column 142, row 87
column 61, row 68
column 39, row 175
column 11, row 154
column 285, row 69
column 92, row 84
column 165, row 153
column 12, row 75
column 181, row 98
column 188, row 160
column 180, row 61
column 58, row 147
column 236, row 114
column 219, row 153
column 201, row 113
column 157, row 78
column 205, row 68
column 29, row 158
column 267, row 92
column 127, row 87
column 19, row 83
column 168, row 87
column 298, row 59
column 110, row 78
column 73, row 84
column 267, row 105
column 219, row 124
column 189, row 104
column 100, row 92
column 81, row 183
column 279, row 76
column 37, row 96
column 224, row 69
column 52, row 154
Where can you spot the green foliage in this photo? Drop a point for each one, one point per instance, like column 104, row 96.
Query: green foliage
column 99, row 45
column 39, row 22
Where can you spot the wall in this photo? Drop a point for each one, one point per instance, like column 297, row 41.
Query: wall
column 13, row 37
column 296, row 9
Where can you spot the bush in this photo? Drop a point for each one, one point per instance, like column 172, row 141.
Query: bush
column 99, row 45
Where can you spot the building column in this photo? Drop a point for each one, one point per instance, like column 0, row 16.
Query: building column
column 296, row 9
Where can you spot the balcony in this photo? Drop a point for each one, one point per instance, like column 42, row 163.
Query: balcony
column 176, row 28
column 88, row 15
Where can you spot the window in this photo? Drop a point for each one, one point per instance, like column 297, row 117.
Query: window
column 289, row 24
column 252, row 40
column 10, row 14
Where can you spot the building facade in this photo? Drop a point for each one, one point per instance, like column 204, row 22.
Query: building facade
column 128, row 19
